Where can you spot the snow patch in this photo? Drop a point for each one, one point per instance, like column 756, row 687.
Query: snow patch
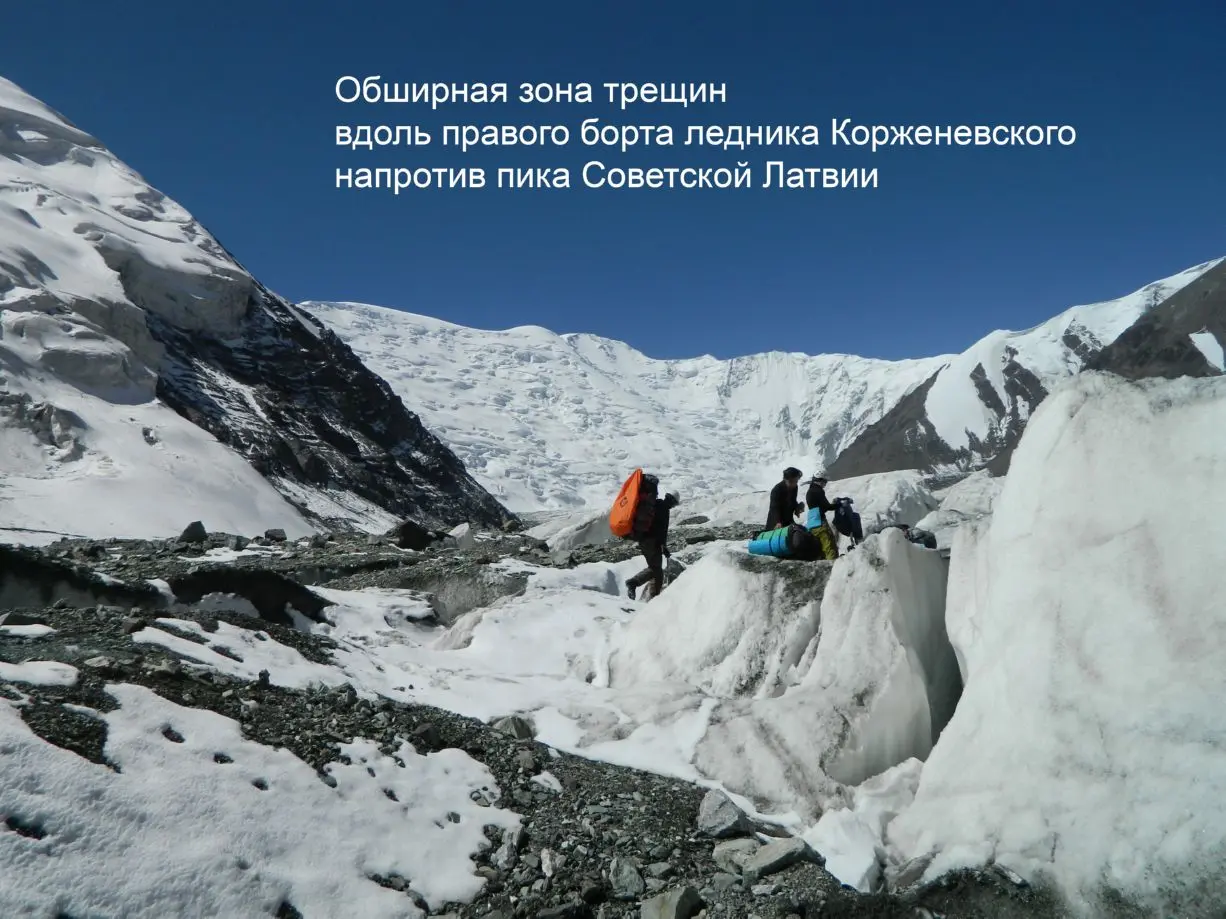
column 240, row 653
column 39, row 673
column 1208, row 345
column 261, row 822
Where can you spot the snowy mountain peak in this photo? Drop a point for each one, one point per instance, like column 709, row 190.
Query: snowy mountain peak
column 108, row 237
column 974, row 410
column 552, row 421
column 135, row 352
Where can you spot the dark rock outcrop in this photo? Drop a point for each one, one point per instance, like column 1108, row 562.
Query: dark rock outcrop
column 295, row 400
column 270, row 592
column 903, row 438
column 1159, row 344
column 29, row 578
column 409, row 534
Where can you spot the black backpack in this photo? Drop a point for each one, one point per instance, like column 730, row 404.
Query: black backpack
column 802, row 544
column 847, row 521
column 645, row 509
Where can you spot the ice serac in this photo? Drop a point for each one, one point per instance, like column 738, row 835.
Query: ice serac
column 116, row 304
column 827, row 673
column 971, row 412
column 1088, row 744
column 966, row 501
column 554, row 422
column 734, row 625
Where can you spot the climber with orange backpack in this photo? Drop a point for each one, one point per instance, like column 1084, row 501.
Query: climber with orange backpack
column 639, row 515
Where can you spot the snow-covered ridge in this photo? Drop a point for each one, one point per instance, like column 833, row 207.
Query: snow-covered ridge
column 1051, row 351
column 555, row 421
column 78, row 223
column 551, row 422
column 136, row 353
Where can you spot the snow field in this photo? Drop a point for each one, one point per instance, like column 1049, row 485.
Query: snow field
column 201, row 821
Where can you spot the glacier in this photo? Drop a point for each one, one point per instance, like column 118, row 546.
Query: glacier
column 555, row 422
column 1087, row 617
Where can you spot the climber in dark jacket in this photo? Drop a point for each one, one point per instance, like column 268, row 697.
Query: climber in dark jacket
column 784, row 506
column 654, row 547
column 818, row 503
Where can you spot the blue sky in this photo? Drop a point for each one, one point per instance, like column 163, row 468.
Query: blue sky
column 230, row 109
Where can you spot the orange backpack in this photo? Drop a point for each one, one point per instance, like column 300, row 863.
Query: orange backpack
column 634, row 507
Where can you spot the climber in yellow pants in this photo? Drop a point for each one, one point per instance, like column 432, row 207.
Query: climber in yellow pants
column 818, row 504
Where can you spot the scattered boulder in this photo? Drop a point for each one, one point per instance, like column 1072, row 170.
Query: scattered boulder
column 693, row 521
column 775, row 856
column 625, row 880
column 719, row 817
column 732, row 854
column 680, row 903
column 515, row 726
column 508, row 853
column 275, row 535
column 194, row 533
column 462, row 537
column 409, row 534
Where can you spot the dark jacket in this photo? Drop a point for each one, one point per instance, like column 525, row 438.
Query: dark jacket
column 816, row 499
column 783, row 506
column 659, row 525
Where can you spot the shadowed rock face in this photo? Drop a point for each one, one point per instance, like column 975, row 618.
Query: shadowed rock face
column 1159, row 344
column 903, row 438
column 28, row 578
column 294, row 399
column 164, row 309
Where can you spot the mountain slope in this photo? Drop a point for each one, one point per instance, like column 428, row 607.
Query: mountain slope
column 115, row 304
column 555, row 422
column 972, row 411
column 1185, row 336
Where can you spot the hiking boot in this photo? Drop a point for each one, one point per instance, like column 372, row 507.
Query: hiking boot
column 630, row 588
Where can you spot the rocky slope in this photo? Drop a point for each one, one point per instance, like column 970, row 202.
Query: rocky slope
column 1011, row 375
column 597, row 840
column 1184, row 336
column 115, row 300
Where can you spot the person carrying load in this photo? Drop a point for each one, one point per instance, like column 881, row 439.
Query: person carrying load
column 639, row 515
